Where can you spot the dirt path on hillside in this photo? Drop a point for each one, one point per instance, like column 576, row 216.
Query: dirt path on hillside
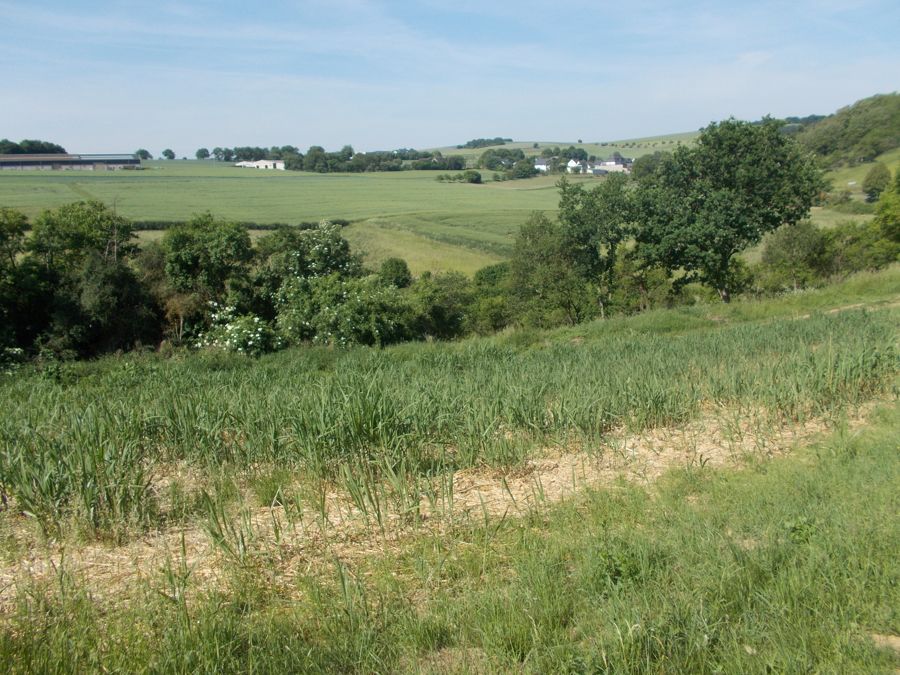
column 285, row 544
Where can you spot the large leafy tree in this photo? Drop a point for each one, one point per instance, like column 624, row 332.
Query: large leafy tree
column 545, row 288
column 877, row 180
column 593, row 224
column 706, row 203
column 203, row 254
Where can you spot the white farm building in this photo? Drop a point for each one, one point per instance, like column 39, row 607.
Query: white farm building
column 277, row 164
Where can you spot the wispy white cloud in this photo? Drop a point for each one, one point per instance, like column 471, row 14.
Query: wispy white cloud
column 378, row 73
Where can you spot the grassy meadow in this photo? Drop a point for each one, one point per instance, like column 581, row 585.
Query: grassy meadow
column 704, row 489
column 436, row 226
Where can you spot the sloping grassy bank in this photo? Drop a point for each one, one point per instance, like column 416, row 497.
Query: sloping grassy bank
column 788, row 566
column 86, row 441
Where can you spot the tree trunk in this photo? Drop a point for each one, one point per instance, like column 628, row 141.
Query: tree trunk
column 724, row 294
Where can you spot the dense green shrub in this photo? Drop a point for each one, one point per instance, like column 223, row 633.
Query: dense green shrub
column 336, row 311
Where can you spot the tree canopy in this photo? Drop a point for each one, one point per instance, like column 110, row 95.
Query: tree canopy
column 704, row 204
column 857, row 133
column 877, row 180
column 30, row 147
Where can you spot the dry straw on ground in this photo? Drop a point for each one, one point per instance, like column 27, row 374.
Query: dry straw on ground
column 285, row 547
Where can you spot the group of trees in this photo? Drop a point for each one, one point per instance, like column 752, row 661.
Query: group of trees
column 70, row 287
column 345, row 160
column 857, row 133
column 467, row 176
column 682, row 220
column 79, row 286
column 484, row 142
column 508, row 164
column 29, row 147
column 565, row 154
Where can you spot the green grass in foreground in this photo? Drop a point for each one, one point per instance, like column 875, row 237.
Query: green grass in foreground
column 787, row 566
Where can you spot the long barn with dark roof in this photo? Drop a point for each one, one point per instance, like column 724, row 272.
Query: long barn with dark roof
column 60, row 162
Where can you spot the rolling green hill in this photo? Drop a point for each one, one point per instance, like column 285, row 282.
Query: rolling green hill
column 857, row 133
column 634, row 147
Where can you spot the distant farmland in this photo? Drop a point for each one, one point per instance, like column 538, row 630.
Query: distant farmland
column 434, row 226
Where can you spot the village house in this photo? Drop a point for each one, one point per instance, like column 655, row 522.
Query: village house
column 600, row 168
column 542, row 164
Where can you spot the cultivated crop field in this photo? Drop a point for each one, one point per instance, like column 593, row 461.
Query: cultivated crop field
column 435, row 225
column 685, row 490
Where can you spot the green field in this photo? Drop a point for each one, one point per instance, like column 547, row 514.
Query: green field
column 435, row 226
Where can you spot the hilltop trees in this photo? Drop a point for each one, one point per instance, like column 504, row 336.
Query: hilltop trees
column 703, row 205
column 857, row 133
column 168, row 153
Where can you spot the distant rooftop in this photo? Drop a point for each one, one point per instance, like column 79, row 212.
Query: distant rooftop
column 60, row 157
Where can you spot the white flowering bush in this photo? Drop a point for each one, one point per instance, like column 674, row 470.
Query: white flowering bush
column 321, row 251
column 10, row 359
column 244, row 334
column 342, row 312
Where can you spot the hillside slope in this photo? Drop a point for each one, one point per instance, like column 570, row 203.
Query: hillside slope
column 857, row 133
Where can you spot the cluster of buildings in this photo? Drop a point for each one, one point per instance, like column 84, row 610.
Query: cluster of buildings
column 61, row 162
column 597, row 168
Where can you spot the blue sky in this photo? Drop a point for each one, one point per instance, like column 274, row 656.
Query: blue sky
column 114, row 76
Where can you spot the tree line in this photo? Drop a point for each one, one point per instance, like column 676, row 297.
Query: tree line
column 30, row 147
column 79, row 286
column 484, row 142
column 346, row 160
